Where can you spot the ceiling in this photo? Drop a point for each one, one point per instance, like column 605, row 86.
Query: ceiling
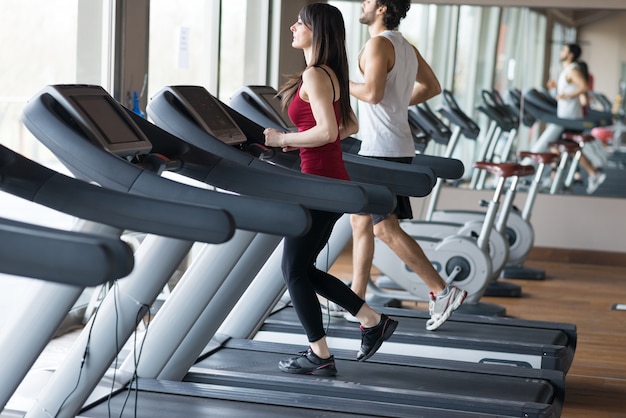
column 579, row 17
column 556, row 4
column 576, row 13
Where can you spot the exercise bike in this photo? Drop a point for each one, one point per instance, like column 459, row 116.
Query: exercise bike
column 460, row 260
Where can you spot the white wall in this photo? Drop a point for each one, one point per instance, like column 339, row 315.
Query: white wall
column 604, row 50
column 559, row 221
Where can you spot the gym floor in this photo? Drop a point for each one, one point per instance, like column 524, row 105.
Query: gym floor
column 613, row 186
column 582, row 294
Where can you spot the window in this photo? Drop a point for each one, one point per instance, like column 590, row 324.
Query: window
column 42, row 43
column 183, row 42
column 221, row 45
column 520, row 58
column 561, row 35
column 243, row 45
column 424, row 27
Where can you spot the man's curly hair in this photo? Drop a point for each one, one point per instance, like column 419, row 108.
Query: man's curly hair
column 396, row 11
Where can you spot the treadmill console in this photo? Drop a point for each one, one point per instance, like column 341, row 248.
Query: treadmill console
column 422, row 116
column 263, row 99
column 420, row 137
column 206, row 111
column 90, row 109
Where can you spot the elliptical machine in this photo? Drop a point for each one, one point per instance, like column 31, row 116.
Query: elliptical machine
column 497, row 247
column 459, row 259
column 517, row 230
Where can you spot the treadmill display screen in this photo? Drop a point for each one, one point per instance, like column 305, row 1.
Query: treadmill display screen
column 212, row 115
column 218, row 120
column 274, row 102
column 107, row 120
column 108, row 126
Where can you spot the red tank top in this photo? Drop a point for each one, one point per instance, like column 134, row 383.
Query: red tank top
column 326, row 160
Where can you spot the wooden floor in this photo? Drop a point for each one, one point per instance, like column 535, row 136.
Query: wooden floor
column 581, row 294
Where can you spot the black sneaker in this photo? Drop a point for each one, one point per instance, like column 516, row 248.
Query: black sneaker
column 307, row 362
column 372, row 338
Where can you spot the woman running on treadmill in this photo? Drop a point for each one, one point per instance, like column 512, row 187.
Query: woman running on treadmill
column 318, row 102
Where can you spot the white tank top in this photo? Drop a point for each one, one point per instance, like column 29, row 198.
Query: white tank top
column 568, row 108
column 383, row 127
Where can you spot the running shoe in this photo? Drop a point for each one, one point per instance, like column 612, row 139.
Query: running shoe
column 441, row 307
column 593, row 182
column 372, row 338
column 350, row 318
column 307, row 362
column 332, row 309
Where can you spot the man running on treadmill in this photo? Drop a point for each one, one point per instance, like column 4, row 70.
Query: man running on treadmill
column 393, row 76
column 572, row 88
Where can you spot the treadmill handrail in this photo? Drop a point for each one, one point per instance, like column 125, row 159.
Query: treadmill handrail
column 29, row 180
column 451, row 111
column 543, row 107
column 519, row 106
column 175, row 110
column 239, row 173
column 88, row 161
column 424, row 117
column 496, row 112
column 66, row 257
column 355, row 164
column 414, row 180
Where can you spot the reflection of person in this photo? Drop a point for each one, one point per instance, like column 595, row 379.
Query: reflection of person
column 571, row 84
column 572, row 87
column 394, row 76
column 318, row 102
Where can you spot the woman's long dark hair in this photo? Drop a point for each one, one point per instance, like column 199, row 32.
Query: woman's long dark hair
column 329, row 48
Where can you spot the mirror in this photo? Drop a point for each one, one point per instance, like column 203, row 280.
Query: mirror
column 519, row 62
column 600, row 34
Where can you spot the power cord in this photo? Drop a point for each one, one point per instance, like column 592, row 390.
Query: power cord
column 83, row 360
column 136, row 357
column 117, row 345
column 327, row 301
column 143, row 309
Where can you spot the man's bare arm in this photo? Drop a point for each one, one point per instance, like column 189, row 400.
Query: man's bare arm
column 427, row 84
column 375, row 61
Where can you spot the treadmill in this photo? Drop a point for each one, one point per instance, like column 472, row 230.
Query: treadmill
column 172, row 118
column 528, row 391
column 452, row 388
column 543, row 108
column 103, row 213
column 59, row 256
column 242, row 375
column 471, row 338
column 255, row 107
column 99, row 140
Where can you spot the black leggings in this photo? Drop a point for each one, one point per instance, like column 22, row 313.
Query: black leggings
column 304, row 280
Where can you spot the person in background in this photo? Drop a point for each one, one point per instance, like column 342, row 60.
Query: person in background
column 318, row 102
column 571, row 95
column 393, row 76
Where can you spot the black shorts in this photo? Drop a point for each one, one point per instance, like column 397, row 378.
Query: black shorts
column 403, row 205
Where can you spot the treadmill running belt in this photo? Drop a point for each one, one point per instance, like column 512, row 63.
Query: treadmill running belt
column 440, row 385
column 176, row 399
column 507, row 342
